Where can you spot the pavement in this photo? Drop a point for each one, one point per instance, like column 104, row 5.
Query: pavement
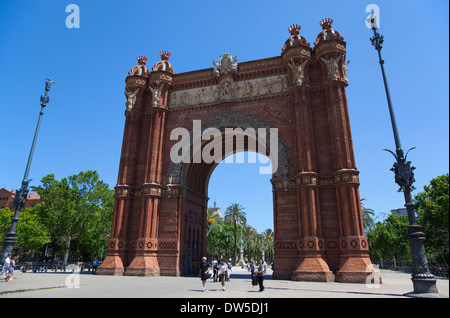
column 85, row 285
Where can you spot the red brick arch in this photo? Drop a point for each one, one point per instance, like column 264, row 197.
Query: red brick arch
column 159, row 223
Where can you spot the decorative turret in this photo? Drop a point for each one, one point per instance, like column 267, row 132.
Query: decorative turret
column 160, row 80
column 296, row 54
column 295, row 39
column 328, row 33
column 330, row 52
column 140, row 69
column 164, row 64
column 136, row 83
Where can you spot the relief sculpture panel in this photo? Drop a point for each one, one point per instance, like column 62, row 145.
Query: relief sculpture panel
column 228, row 89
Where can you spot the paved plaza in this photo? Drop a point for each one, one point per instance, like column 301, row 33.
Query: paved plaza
column 85, row 285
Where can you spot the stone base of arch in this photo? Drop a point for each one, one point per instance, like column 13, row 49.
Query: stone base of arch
column 111, row 265
column 313, row 269
column 357, row 269
column 143, row 265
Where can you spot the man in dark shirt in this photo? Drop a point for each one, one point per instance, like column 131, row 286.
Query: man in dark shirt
column 204, row 268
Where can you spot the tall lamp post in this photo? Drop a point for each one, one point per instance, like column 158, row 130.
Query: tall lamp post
column 424, row 282
column 21, row 195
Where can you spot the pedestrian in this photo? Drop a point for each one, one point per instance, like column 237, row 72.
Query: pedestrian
column 215, row 267
column 254, row 275
column 223, row 273
column 12, row 268
column 6, row 264
column 204, row 275
column 229, row 270
column 262, row 268
column 95, row 265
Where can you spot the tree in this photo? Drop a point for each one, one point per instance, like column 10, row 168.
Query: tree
column 268, row 236
column 31, row 233
column 212, row 219
column 5, row 222
column 387, row 241
column 249, row 234
column 77, row 208
column 432, row 207
column 235, row 215
column 367, row 215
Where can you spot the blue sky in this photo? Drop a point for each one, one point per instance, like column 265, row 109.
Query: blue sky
column 83, row 124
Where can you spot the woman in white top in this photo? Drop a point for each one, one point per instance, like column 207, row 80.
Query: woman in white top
column 223, row 273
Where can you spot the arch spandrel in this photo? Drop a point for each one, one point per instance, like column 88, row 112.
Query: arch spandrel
column 177, row 171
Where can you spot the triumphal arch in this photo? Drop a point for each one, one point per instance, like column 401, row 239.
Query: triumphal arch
column 293, row 107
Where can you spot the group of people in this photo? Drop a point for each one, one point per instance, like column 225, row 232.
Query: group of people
column 9, row 266
column 222, row 270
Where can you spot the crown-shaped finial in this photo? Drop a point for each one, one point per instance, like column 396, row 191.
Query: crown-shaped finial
column 142, row 59
column 326, row 23
column 165, row 55
column 294, row 29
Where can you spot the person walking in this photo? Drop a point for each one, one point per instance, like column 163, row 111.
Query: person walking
column 223, row 273
column 215, row 267
column 229, row 270
column 95, row 264
column 253, row 272
column 6, row 264
column 204, row 275
column 262, row 268
column 12, row 268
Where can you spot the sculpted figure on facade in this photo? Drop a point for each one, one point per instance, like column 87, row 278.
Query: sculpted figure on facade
column 332, row 66
column 156, row 93
column 247, row 89
column 131, row 98
column 298, row 69
column 225, row 90
column 344, row 69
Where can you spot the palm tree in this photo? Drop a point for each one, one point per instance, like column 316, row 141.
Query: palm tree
column 249, row 234
column 367, row 215
column 235, row 215
column 268, row 240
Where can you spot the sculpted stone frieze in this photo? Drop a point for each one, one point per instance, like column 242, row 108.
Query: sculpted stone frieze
column 228, row 90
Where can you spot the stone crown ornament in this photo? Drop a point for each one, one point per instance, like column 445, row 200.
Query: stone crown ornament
column 326, row 23
column 294, row 29
column 226, row 64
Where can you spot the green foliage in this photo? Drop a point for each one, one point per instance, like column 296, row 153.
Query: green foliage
column 388, row 243
column 432, row 207
column 5, row 222
column 78, row 209
column 234, row 214
column 367, row 215
column 231, row 232
column 31, row 233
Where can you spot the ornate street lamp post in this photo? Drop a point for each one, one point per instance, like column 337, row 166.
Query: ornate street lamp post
column 423, row 281
column 21, row 194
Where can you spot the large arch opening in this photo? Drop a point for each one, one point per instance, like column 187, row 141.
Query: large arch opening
column 248, row 158
column 237, row 183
